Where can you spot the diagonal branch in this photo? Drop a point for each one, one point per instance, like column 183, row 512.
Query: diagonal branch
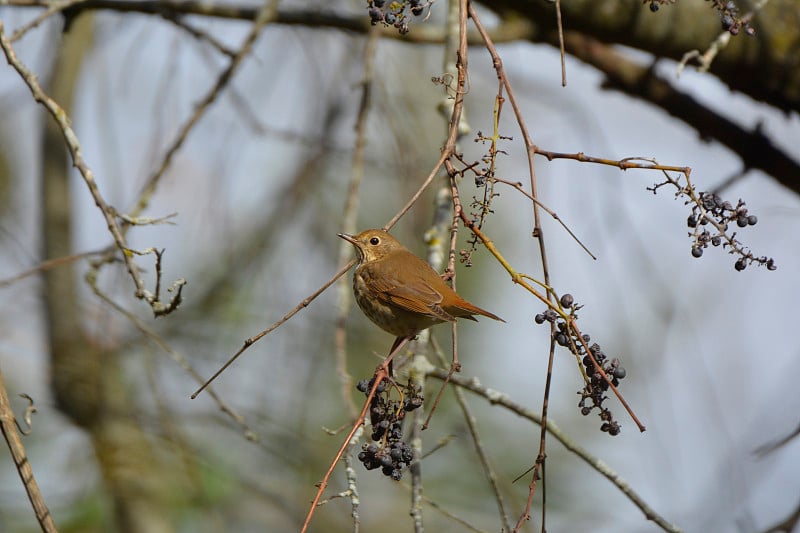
column 9, row 428
column 71, row 140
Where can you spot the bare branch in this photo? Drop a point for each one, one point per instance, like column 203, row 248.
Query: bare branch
column 8, row 425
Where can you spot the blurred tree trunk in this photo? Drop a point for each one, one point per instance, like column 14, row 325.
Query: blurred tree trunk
column 86, row 378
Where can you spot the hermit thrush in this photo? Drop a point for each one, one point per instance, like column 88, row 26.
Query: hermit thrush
column 400, row 292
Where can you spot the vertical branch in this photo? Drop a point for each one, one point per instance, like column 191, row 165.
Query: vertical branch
column 539, row 235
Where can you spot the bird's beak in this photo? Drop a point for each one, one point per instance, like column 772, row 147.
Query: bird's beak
column 349, row 238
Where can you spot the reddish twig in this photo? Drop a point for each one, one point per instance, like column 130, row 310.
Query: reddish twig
column 381, row 373
column 623, row 164
column 537, row 232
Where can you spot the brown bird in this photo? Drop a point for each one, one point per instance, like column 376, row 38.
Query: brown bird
column 400, row 292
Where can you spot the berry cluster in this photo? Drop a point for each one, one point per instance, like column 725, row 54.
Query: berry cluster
column 396, row 12
column 730, row 19
column 596, row 384
column 712, row 209
column 388, row 451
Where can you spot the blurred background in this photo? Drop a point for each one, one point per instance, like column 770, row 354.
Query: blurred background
column 258, row 188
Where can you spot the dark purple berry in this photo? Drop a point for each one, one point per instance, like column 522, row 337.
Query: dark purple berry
column 375, row 15
column 567, row 300
column 562, row 339
column 697, row 251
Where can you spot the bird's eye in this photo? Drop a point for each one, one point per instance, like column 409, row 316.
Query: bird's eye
column 374, row 241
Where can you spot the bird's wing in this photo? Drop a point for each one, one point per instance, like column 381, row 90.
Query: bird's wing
column 415, row 295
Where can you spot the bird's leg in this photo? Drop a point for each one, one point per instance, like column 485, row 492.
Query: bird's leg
column 399, row 342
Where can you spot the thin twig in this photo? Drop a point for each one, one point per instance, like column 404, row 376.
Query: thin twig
column 252, row 340
column 622, row 164
column 560, row 25
column 518, row 186
column 413, row 200
column 199, row 34
column 52, row 9
column 44, row 266
column 455, row 518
